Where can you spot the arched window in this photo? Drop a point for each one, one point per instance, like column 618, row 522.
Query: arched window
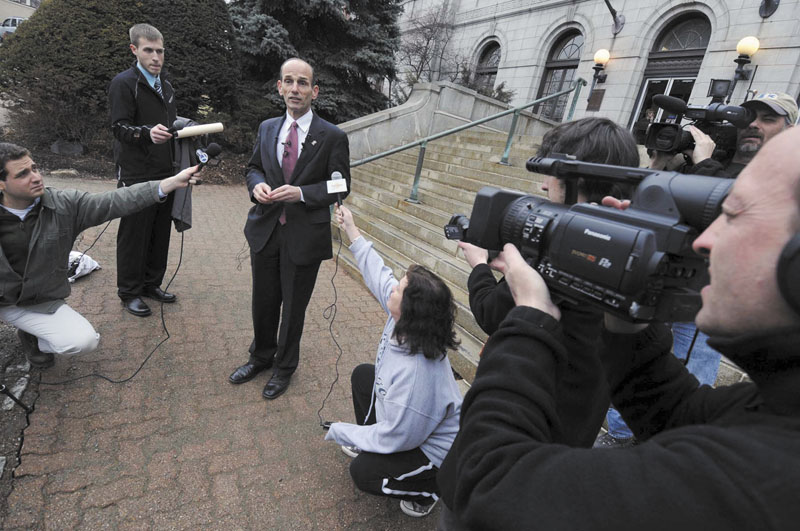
column 486, row 71
column 559, row 71
column 691, row 33
column 672, row 68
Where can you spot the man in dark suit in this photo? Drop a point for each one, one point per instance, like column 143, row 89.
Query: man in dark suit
column 288, row 229
column 142, row 107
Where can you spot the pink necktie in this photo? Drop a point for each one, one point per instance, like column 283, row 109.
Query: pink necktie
column 289, row 160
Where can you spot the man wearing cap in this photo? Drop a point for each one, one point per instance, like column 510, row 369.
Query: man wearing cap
column 775, row 112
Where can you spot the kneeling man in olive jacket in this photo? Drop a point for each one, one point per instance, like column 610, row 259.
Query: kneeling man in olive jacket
column 38, row 226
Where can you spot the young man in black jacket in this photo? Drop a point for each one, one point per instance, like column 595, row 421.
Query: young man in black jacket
column 584, row 389
column 142, row 108
column 724, row 458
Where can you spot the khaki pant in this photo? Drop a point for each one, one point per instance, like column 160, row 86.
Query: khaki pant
column 63, row 332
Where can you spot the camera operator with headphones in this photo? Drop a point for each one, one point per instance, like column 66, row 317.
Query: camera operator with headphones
column 725, row 458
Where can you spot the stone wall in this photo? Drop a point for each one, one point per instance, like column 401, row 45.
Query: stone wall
column 527, row 30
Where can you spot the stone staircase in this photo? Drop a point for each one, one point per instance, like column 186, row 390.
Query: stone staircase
column 404, row 233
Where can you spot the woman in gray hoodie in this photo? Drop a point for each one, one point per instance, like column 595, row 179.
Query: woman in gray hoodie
column 407, row 404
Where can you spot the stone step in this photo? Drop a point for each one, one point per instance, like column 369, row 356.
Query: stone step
column 448, row 153
column 420, row 211
column 466, row 174
column 406, row 241
column 403, row 233
column 427, row 233
column 414, row 250
column 432, row 182
column 429, row 193
column 465, row 360
column 476, row 151
column 477, row 169
column 399, row 263
column 488, row 139
column 444, row 183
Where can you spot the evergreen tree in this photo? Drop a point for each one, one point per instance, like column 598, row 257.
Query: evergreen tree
column 350, row 44
column 57, row 67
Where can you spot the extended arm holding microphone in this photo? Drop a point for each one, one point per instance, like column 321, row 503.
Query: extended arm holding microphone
column 181, row 180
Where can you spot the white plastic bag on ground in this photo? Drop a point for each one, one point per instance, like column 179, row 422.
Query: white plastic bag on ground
column 80, row 265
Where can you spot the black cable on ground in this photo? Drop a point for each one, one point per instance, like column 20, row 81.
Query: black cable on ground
column 329, row 314
column 163, row 321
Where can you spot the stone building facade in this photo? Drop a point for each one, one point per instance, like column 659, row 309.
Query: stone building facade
column 664, row 46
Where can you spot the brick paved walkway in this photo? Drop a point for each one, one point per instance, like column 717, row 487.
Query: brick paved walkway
column 178, row 447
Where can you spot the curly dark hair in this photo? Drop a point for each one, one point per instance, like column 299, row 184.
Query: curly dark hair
column 427, row 315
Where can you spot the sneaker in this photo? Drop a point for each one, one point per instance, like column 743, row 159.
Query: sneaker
column 30, row 346
column 607, row 440
column 417, row 510
column 351, row 451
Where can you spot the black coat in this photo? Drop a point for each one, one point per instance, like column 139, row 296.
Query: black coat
column 135, row 108
column 711, row 459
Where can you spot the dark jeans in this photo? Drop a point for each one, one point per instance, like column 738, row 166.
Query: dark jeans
column 408, row 475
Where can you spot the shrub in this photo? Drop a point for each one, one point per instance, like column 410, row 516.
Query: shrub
column 350, row 45
column 56, row 70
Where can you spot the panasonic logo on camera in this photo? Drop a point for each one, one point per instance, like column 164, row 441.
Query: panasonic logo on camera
column 594, row 234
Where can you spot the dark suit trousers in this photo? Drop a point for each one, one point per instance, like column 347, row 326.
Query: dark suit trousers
column 142, row 248
column 281, row 292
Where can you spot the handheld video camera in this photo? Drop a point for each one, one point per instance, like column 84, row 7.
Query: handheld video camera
column 672, row 138
column 637, row 263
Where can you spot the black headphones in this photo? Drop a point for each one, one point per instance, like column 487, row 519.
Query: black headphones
column 789, row 273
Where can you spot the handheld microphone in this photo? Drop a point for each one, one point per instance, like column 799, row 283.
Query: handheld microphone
column 204, row 155
column 177, row 125
column 337, row 185
column 196, row 130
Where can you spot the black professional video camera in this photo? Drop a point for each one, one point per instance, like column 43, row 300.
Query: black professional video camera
column 636, row 263
column 672, row 138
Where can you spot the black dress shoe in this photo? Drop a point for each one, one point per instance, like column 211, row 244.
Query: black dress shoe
column 158, row 294
column 137, row 307
column 276, row 386
column 247, row 372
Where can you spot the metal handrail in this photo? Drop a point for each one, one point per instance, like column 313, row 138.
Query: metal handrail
column 423, row 143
